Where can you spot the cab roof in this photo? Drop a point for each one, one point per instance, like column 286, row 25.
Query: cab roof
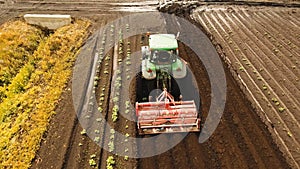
column 163, row 41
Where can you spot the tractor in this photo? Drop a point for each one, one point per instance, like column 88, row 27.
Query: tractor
column 162, row 113
column 161, row 57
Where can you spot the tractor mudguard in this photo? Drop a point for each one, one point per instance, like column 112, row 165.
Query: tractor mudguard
column 179, row 69
column 148, row 69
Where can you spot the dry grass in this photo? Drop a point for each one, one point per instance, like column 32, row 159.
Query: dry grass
column 18, row 41
column 33, row 93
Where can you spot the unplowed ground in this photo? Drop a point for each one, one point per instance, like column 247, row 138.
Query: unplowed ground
column 241, row 140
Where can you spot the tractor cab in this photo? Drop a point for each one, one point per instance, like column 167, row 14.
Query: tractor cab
column 164, row 49
column 163, row 57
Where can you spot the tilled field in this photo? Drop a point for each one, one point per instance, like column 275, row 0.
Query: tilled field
column 236, row 136
column 240, row 141
column 235, row 144
column 261, row 47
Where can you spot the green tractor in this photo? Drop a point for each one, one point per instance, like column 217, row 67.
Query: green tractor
column 164, row 111
column 161, row 58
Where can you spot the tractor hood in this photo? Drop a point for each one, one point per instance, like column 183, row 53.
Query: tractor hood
column 162, row 42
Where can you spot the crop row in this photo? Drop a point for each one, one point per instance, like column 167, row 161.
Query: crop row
column 101, row 77
column 111, row 162
column 124, row 70
column 101, row 82
column 118, row 98
column 127, row 105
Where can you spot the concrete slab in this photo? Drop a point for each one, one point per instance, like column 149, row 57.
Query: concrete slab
column 48, row 21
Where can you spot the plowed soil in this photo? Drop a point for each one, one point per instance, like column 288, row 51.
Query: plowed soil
column 235, row 144
column 242, row 139
column 261, row 47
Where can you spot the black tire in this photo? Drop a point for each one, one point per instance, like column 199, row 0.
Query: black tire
column 143, row 88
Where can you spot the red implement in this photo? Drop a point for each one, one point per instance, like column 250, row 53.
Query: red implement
column 167, row 116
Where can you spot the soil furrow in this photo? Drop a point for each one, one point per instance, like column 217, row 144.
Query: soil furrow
column 244, row 32
column 234, row 135
column 286, row 58
column 286, row 16
column 288, row 39
column 282, row 52
column 261, row 61
column 220, row 37
column 241, row 139
column 284, row 90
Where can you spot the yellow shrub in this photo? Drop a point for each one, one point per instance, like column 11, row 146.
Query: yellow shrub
column 17, row 42
column 25, row 115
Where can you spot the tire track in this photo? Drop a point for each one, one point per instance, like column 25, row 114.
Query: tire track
column 110, row 39
column 95, row 6
column 178, row 162
column 124, row 124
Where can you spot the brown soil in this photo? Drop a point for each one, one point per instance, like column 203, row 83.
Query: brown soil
column 261, row 48
column 240, row 141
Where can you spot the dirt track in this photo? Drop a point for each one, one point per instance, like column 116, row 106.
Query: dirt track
column 240, row 141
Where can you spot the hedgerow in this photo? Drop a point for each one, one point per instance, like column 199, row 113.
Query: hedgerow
column 34, row 93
